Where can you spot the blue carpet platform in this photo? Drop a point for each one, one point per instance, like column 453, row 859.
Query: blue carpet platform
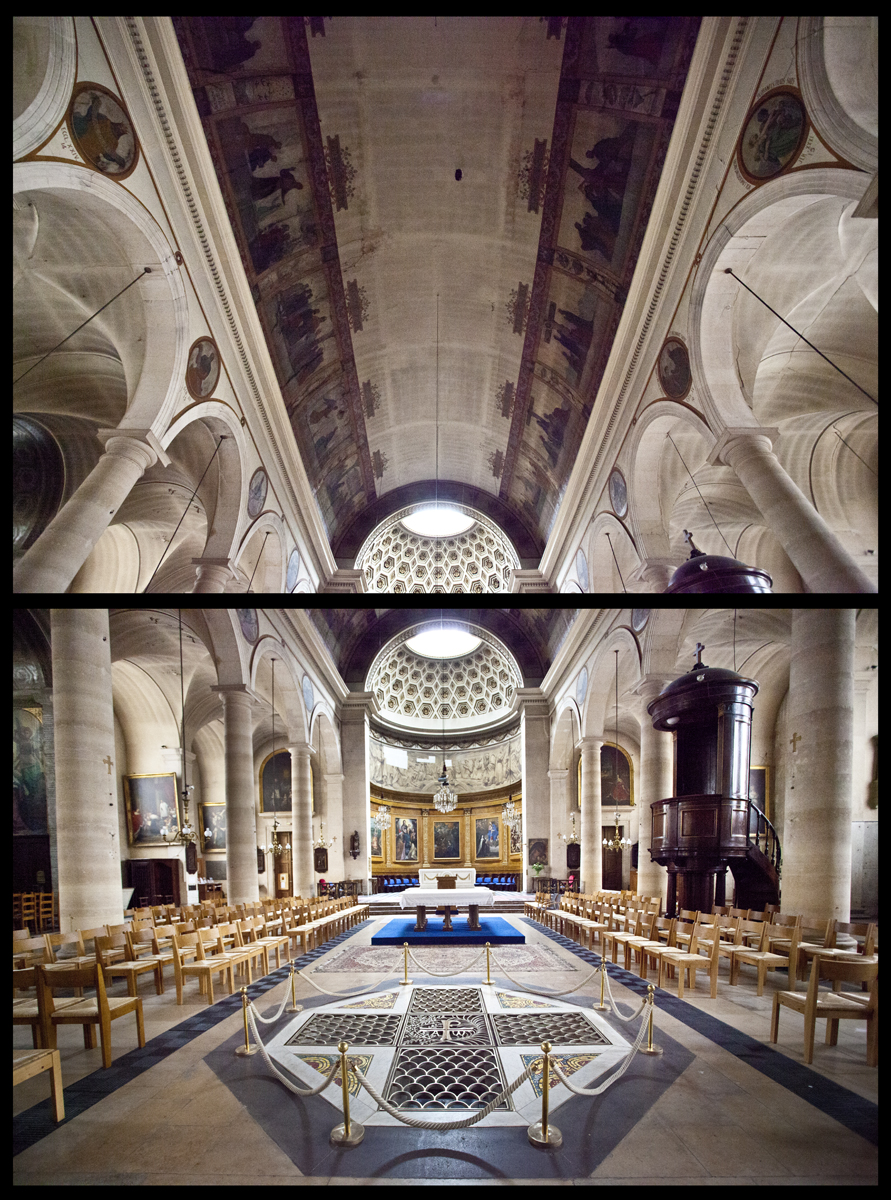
column 494, row 930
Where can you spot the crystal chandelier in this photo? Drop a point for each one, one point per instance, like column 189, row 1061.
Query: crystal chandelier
column 321, row 842
column 510, row 814
column 275, row 846
column 444, row 800
column 383, row 816
column 616, row 842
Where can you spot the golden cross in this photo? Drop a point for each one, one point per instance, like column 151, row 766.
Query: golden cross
column 107, row 761
column 795, row 738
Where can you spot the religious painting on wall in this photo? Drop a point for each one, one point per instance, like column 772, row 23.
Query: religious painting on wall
column 516, row 841
column 488, row 837
column 151, row 806
column 257, row 489
column 202, row 369
column 773, row 136
column 376, row 841
column 101, row 130
column 28, row 774
column 538, row 852
column 674, row 368
column 275, row 782
column 759, row 788
column 446, row 839
column 250, row 626
column 615, row 776
column 212, row 819
column 405, row 840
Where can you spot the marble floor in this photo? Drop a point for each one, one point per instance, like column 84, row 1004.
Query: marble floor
column 720, row 1106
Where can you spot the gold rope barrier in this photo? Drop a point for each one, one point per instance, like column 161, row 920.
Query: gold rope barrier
column 406, row 981
column 349, row 1133
column 543, row 1134
column 247, row 1049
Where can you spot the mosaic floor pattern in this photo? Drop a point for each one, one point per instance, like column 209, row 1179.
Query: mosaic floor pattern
column 446, row 1051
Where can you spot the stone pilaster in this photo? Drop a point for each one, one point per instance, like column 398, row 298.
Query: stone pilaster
column 592, row 816
column 242, row 882
column 301, row 820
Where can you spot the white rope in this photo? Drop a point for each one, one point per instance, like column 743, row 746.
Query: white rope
column 550, row 991
column 272, row 1020
column 287, row 1082
column 617, row 1075
column 345, row 995
column 616, row 1012
column 444, row 974
column 417, row 1123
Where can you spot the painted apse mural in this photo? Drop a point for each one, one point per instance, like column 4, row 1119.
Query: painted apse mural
column 252, row 82
column 619, row 91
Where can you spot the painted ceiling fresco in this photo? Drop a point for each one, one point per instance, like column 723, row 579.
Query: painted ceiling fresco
column 338, row 143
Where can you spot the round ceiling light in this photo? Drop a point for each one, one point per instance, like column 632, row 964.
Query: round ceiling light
column 443, row 643
column 438, row 520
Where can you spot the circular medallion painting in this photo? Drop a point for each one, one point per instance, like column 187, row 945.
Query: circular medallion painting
column 674, row 368
column 639, row 618
column 203, row 369
column 773, row 135
column 618, row 493
column 308, row 694
column 257, row 492
column 101, row 130
column 581, row 569
column 293, row 570
column 581, row 687
column 250, row 626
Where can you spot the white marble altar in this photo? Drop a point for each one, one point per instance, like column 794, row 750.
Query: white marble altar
column 464, row 876
column 436, row 897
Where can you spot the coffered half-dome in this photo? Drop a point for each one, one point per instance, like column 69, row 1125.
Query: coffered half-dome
column 426, row 693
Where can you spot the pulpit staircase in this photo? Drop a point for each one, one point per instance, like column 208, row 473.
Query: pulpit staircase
column 757, row 875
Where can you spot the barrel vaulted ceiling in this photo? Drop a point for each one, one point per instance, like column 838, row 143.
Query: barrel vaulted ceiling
column 338, row 144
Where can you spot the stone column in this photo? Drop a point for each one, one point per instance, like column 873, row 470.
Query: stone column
column 816, row 877
column 89, row 850
column 656, row 782
column 338, row 855
column 213, row 574
column 64, row 546
column 655, row 573
column 425, row 836
column 469, row 844
column 817, row 554
column 535, row 749
column 356, row 781
column 592, row 817
column 301, row 820
column 242, row 883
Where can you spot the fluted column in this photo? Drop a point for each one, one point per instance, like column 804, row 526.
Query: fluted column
column 656, row 783
column 592, row 818
column 242, row 881
column 301, row 820
column 212, row 574
column 819, row 725
column 89, row 851
column 65, row 544
column 817, row 554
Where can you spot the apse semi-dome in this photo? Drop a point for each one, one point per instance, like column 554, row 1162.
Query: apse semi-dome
column 427, row 693
column 396, row 558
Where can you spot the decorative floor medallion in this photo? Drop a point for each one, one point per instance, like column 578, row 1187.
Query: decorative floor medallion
column 447, row 1051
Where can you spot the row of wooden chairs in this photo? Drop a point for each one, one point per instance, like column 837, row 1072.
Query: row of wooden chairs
column 35, row 910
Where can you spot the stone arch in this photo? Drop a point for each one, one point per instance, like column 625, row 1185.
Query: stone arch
column 40, row 99
column 604, row 575
column 838, row 76
column 565, row 735
column 230, row 650
column 326, row 742
column 601, row 679
column 153, row 395
column 270, row 577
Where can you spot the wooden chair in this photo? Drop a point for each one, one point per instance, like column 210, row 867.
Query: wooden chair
column 271, row 941
column 629, row 927
column 834, row 1006
column 766, row 960
column 28, row 1063
column 204, row 967
column 89, row 1012
column 29, row 909
column 632, row 942
column 867, row 931
column 29, row 952
column 59, row 941
column 129, row 969
column 46, row 911
column 688, row 922
column 25, row 1009
column 664, row 938
column 244, row 957
column 688, row 962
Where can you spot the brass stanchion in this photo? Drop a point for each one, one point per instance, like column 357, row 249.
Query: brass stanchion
column 406, row 981
column 601, row 1005
column 293, row 1007
column 650, row 1048
column 350, row 1133
column 488, row 978
column 247, row 1048
column 543, row 1134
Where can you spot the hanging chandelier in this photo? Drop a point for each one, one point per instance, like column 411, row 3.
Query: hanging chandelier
column 616, row 842
column 571, row 838
column 185, row 835
column 511, row 815
column 275, row 846
column 383, row 816
column 445, row 800
column 321, row 842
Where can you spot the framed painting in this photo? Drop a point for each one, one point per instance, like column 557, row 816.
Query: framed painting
column 446, row 839
column 538, row 851
column 152, row 809
column 615, row 776
column 275, row 782
column 101, row 130
column 759, row 788
column 516, row 841
column 203, row 368
column 212, row 818
column 376, row 841
column 215, row 869
column 774, row 134
column 487, row 842
column 405, row 839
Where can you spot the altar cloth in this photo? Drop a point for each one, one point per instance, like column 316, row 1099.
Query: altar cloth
column 436, row 897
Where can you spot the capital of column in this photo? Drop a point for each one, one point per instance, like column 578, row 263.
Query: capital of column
column 558, row 773
column 656, row 573
column 298, row 748
column 649, row 686
column 738, row 443
column 212, row 574
column 234, row 694
column 141, row 446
